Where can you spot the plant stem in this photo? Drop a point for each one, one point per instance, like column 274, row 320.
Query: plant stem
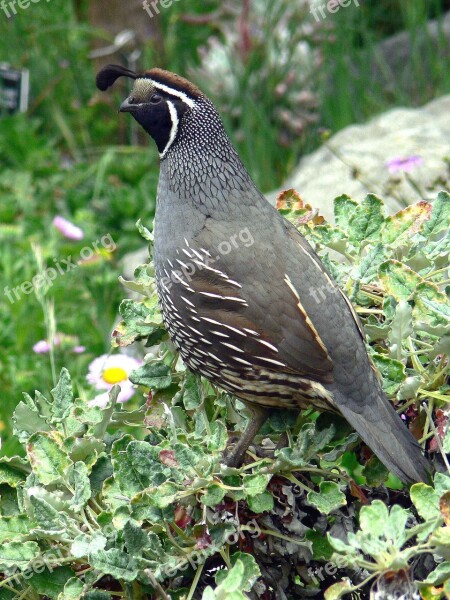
column 195, row 582
column 156, row 585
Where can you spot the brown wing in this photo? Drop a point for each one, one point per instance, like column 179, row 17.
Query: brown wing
column 259, row 324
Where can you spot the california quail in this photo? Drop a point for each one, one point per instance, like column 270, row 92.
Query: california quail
column 237, row 282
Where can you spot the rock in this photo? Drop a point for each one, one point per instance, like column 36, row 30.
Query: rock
column 130, row 262
column 353, row 161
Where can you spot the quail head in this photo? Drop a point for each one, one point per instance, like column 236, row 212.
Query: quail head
column 236, row 282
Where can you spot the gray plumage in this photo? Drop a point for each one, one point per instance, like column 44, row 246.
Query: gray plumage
column 237, row 282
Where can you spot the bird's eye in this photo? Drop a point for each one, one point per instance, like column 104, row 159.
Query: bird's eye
column 156, row 99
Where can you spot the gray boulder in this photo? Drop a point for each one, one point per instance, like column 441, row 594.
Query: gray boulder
column 354, row 160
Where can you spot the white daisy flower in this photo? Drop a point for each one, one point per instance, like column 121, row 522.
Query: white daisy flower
column 108, row 370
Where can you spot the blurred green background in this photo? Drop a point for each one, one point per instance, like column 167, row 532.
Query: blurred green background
column 279, row 77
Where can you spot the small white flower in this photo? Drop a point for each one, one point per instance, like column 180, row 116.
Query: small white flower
column 108, row 370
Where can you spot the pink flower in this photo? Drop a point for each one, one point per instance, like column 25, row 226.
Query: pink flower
column 68, row 229
column 43, row 346
column 79, row 349
column 406, row 164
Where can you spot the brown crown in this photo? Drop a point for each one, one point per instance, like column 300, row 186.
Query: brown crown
column 173, row 81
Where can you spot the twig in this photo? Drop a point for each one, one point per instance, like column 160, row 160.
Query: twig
column 156, row 585
column 438, row 439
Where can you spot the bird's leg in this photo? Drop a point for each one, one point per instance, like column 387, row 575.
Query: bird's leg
column 258, row 417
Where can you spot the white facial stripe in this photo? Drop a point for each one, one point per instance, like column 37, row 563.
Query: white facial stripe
column 174, row 129
column 181, row 95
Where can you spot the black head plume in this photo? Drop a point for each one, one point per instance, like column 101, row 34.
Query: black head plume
column 108, row 75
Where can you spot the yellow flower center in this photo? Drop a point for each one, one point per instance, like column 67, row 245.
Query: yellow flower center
column 114, row 375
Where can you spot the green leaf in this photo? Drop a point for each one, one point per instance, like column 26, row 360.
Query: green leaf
column 250, row 574
column 392, row 371
column 156, row 377
column 73, row 589
column 12, row 470
column 409, row 388
column 79, row 480
column 54, row 498
column 14, row 527
column 329, row 497
column 366, row 221
column 144, row 280
column 84, row 544
column 255, row 484
column 140, row 320
column 373, row 518
column 326, row 235
column 51, row 583
column 214, row 494
column 137, row 466
column 47, row 518
column 164, row 495
column 442, row 483
column 375, row 472
column 9, row 501
column 261, row 502
column 84, row 450
column 100, row 471
column 395, row 526
column 234, row 580
column 47, row 458
column 192, row 392
column 398, row 280
column 338, row 450
column 189, row 457
column 440, row 574
column 17, row 555
column 401, row 327
column 114, row 562
column 27, row 421
column 136, row 540
column 367, row 270
column 321, row 547
column 344, row 209
column 440, row 216
column 440, row 540
column 431, row 306
column 217, row 441
column 338, row 590
column 426, row 500
column 62, row 396
column 399, row 228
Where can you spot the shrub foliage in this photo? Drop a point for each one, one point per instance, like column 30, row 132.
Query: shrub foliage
column 139, row 502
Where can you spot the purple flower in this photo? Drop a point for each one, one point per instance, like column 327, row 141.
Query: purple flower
column 68, row 229
column 406, row 163
column 79, row 349
column 43, row 346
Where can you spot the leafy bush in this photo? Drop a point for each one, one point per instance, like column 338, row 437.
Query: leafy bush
column 140, row 503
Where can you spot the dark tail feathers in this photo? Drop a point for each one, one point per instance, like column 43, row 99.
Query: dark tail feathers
column 381, row 428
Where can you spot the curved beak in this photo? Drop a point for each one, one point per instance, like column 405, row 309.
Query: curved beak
column 128, row 106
